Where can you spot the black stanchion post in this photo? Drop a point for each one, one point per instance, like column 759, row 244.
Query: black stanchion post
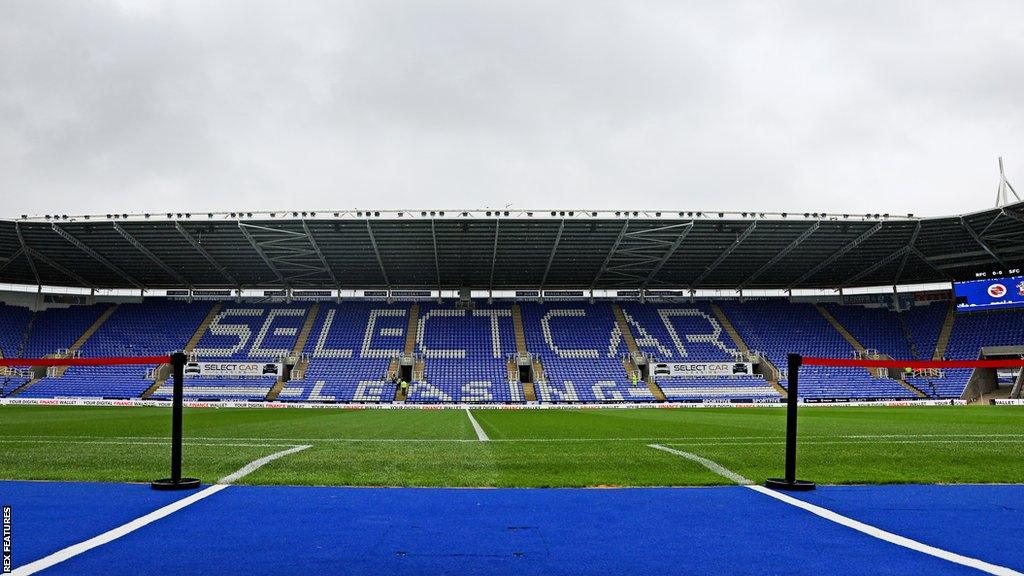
column 790, row 482
column 176, row 482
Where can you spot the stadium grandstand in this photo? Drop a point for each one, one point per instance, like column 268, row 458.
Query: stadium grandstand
column 507, row 307
column 305, row 367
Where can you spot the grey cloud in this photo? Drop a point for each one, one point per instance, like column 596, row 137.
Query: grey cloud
column 838, row 106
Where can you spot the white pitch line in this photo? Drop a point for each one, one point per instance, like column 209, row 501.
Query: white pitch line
column 888, row 536
column 130, row 443
column 709, row 464
column 110, row 535
column 852, row 443
column 256, row 464
column 691, row 440
column 846, row 521
column 114, row 534
column 480, row 434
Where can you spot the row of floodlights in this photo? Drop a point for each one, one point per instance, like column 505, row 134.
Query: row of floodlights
column 489, row 213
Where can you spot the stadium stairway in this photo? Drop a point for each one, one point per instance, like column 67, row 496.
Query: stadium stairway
column 411, row 331
column 163, row 372
column 1018, row 385
column 419, row 367
column 944, row 333
column 400, row 395
column 634, row 352
column 75, row 346
column 841, row 329
column 863, row 352
column 6, row 372
column 914, row 353
column 538, row 375
column 85, row 337
column 771, row 376
column 198, row 335
column 25, row 336
column 529, row 392
column 301, row 363
column 517, row 324
column 411, row 335
column 24, row 386
column 392, row 372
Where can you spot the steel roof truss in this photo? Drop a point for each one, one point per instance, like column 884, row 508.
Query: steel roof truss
column 376, row 250
column 28, row 253
column 721, row 257
column 209, row 258
column 608, row 258
column 929, row 262
column 981, row 242
column 145, row 251
column 262, row 254
column 640, row 254
column 551, row 256
column 437, row 260
column 96, row 256
column 494, row 254
column 291, row 255
column 60, row 268
column 906, row 256
column 781, row 254
column 671, row 251
column 837, row 255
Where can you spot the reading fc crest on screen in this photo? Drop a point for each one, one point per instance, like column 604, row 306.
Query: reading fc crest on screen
column 997, row 290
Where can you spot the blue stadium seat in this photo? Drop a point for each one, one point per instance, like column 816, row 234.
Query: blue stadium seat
column 466, row 351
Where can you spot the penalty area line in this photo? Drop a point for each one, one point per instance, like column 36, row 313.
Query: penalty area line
column 480, row 434
column 831, row 516
column 132, row 443
column 256, row 464
column 709, row 464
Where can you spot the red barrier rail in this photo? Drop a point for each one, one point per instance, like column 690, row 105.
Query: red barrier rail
column 867, row 363
column 85, row 361
column 177, row 362
column 794, row 361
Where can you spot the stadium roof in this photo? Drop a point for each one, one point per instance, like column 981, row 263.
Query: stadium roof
column 507, row 249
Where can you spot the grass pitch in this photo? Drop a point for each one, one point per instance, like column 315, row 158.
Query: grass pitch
column 527, row 448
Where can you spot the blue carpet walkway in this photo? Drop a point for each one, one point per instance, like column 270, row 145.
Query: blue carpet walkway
column 726, row 530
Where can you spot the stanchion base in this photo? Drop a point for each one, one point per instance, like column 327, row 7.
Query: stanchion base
column 794, row 486
column 171, row 484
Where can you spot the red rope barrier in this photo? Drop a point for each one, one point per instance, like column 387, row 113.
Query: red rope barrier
column 85, row 361
column 866, row 363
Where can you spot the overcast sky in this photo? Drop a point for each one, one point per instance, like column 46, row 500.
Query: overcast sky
column 822, row 106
